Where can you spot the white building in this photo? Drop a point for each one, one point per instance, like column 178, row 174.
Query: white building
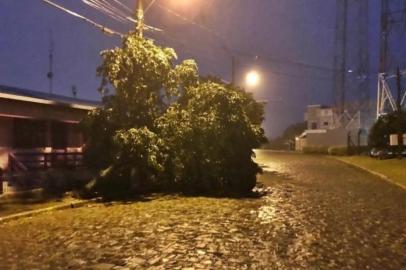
column 326, row 128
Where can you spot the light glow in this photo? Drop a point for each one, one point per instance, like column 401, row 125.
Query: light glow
column 252, row 78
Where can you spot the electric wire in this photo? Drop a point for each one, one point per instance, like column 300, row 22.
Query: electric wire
column 240, row 52
column 123, row 6
column 108, row 10
column 104, row 29
column 117, row 14
column 98, row 6
column 149, row 6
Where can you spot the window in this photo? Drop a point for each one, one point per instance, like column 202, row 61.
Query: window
column 325, row 123
column 314, row 125
column 29, row 133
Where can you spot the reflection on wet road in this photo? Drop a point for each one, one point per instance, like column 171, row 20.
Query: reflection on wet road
column 317, row 213
column 341, row 217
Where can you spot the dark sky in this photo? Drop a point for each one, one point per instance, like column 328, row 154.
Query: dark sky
column 282, row 33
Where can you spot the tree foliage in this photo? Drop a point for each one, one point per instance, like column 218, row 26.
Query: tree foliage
column 211, row 137
column 392, row 123
column 165, row 129
column 288, row 136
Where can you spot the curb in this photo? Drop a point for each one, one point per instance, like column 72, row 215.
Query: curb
column 20, row 193
column 74, row 204
column 380, row 175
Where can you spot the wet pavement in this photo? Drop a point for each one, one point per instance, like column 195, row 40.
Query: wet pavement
column 318, row 213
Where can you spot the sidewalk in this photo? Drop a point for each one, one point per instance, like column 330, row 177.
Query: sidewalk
column 22, row 205
column 391, row 170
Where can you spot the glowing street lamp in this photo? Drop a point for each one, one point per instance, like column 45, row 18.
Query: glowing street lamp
column 252, row 78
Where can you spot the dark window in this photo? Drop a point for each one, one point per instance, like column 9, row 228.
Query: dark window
column 59, row 135
column 314, row 125
column 325, row 123
column 29, row 133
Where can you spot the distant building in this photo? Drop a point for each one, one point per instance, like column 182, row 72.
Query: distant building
column 39, row 130
column 326, row 128
column 319, row 117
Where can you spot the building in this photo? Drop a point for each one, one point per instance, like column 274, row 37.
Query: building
column 327, row 128
column 320, row 117
column 39, row 131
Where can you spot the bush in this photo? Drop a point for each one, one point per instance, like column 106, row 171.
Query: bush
column 315, row 150
column 202, row 137
column 136, row 167
column 165, row 129
column 57, row 182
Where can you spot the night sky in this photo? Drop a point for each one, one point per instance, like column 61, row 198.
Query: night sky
column 281, row 33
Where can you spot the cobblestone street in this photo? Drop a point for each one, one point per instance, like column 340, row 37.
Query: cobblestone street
column 318, row 214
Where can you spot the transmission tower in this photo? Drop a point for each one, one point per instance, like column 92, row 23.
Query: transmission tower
column 351, row 60
column 340, row 58
column 393, row 23
column 363, row 82
column 393, row 26
column 385, row 29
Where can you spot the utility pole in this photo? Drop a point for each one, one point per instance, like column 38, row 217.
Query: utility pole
column 140, row 19
column 233, row 68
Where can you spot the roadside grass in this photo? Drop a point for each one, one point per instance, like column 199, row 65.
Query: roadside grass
column 395, row 169
column 27, row 202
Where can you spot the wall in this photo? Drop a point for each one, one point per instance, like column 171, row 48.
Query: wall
column 10, row 109
column 75, row 136
column 6, row 140
column 334, row 137
column 300, row 144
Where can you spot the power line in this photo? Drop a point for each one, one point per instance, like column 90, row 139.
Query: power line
column 149, row 6
column 184, row 43
column 233, row 50
column 122, row 5
column 107, row 9
column 93, row 23
column 119, row 15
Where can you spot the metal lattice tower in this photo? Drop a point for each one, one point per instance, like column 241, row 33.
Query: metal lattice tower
column 352, row 45
column 340, row 58
column 385, row 29
column 393, row 26
column 363, row 82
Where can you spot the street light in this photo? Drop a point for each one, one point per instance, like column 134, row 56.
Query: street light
column 252, row 78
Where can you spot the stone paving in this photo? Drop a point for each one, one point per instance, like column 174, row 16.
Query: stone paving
column 317, row 214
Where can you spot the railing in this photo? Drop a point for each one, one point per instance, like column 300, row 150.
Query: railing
column 28, row 161
column 14, row 164
column 23, row 165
